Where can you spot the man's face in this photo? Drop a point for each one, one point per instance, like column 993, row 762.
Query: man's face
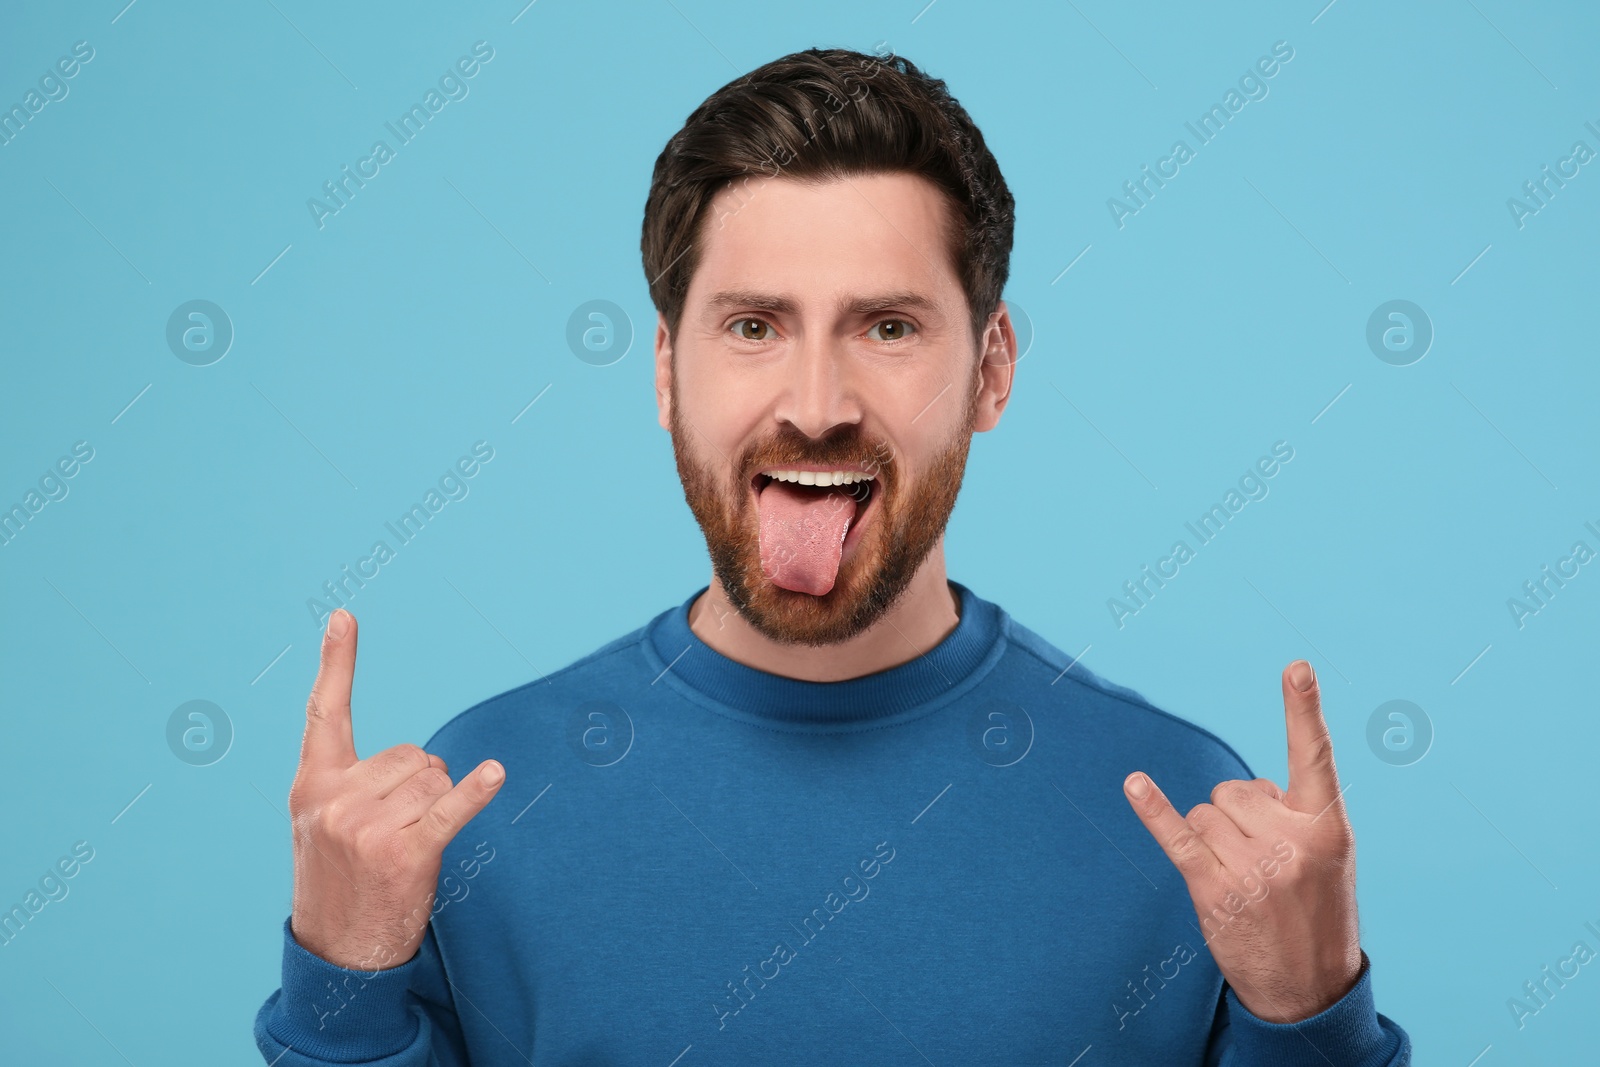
column 825, row 328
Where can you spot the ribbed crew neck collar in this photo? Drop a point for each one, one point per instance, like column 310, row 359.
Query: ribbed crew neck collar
column 687, row 663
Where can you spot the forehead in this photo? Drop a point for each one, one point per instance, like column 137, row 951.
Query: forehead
column 865, row 232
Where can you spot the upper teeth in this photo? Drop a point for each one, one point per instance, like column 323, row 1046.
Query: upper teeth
column 819, row 477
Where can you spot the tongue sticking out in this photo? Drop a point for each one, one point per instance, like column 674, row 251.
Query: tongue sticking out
column 802, row 535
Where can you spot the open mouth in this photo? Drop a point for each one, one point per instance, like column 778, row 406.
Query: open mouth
column 853, row 484
column 808, row 521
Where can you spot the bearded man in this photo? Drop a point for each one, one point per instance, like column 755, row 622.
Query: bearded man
column 834, row 807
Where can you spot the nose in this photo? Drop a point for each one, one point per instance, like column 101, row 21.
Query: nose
column 820, row 388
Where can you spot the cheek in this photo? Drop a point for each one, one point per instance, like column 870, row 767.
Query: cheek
column 919, row 437
column 719, row 409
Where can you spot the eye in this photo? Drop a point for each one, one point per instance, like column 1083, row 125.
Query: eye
column 891, row 330
column 753, row 329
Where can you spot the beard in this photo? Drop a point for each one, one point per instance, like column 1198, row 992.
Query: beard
column 911, row 517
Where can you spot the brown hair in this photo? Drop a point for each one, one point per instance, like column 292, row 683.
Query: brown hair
column 819, row 115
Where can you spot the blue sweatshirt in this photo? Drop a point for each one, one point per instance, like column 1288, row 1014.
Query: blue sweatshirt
column 696, row 862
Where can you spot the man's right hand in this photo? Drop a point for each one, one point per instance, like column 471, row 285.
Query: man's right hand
column 369, row 834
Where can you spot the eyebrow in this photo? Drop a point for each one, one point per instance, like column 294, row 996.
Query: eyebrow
column 784, row 305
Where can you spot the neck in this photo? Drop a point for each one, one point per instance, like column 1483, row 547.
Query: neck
column 924, row 615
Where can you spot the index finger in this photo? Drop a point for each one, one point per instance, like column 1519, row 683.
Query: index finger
column 1313, row 779
column 1186, row 849
column 329, row 739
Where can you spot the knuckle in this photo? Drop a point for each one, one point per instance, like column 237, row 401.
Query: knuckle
column 1233, row 791
column 1183, row 843
column 1293, row 875
column 428, row 782
column 1240, row 793
column 338, row 819
column 412, row 755
column 297, row 796
column 367, row 838
column 439, row 823
column 332, row 813
column 1320, row 750
column 402, row 757
column 384, row 849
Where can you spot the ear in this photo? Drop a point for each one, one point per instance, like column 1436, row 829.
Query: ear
column 996, row 370
column 663, row 373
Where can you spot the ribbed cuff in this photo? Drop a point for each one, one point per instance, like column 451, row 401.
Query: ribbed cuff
column 1345, row 1034
column 334, row 1013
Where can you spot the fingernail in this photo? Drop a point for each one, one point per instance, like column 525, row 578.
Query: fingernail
column 338, row 623
column 493, row 773
column 1301, row 676
column 1138, row 786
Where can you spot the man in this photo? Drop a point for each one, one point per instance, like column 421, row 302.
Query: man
column 834, row 807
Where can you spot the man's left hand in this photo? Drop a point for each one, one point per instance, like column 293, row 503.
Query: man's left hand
column 1272, row 873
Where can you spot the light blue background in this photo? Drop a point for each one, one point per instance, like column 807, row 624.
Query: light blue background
column 1224, row 316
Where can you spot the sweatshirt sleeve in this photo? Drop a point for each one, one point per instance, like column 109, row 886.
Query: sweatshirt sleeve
column 1348, row 1033
column 391, row 1017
